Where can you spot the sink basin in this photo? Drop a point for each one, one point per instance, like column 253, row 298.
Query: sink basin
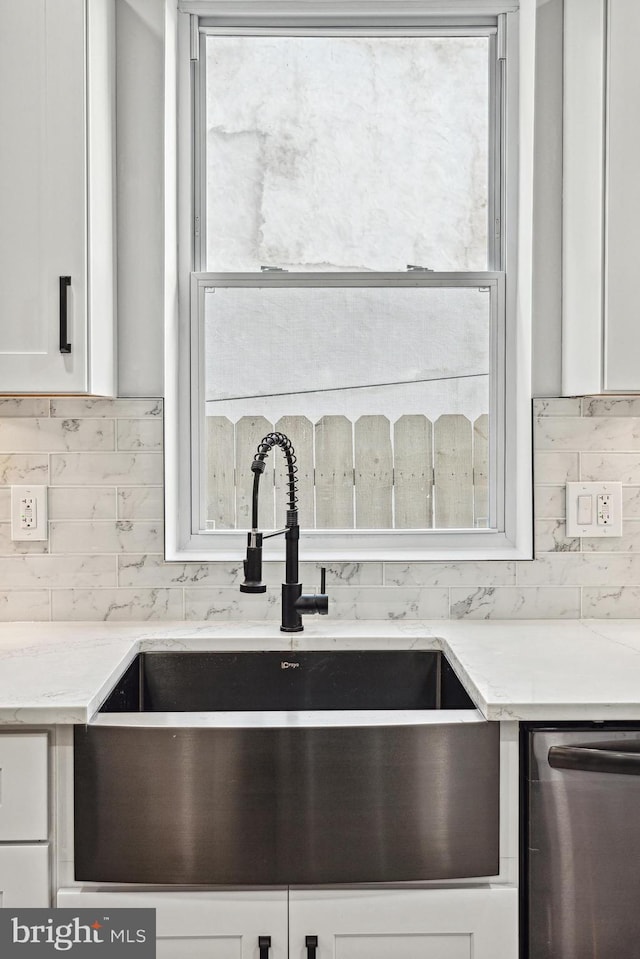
column 263, row 768
column 268, row 681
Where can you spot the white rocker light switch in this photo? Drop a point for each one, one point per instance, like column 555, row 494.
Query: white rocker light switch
column 594, row 509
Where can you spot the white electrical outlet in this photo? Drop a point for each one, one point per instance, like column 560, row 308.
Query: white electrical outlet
column 594, row 509
column 29, row 513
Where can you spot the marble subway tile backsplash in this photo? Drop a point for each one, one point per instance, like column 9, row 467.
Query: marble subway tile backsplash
column 513, row 602
column 102, row 461
column 104, row 469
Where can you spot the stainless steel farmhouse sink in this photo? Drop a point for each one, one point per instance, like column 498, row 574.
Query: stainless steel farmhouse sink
column 269, row 768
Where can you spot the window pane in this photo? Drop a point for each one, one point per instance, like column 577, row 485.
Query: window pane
column 386, row 395
column 347, row 153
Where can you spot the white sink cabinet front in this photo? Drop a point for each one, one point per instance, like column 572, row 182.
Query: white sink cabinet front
column 435, row 923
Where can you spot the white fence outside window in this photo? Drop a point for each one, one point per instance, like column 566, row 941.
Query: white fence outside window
column 368, row 474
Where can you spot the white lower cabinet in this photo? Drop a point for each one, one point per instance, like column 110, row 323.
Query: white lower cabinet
column 446, row 923
column 24, row 820
column 24, row 876
column 23, row 787
column 201, row 925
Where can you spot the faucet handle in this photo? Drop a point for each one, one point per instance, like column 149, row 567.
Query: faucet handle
column 315, row 602
column 322, row 600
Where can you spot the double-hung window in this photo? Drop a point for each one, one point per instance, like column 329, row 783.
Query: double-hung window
column 350, row 275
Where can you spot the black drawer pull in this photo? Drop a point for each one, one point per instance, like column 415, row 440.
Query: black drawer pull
column 311, row 942
column 65, row 283
column 264, row 944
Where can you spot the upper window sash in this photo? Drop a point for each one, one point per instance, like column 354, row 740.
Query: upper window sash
column 493, row 28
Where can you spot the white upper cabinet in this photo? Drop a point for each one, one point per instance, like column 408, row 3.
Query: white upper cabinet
column 57, row 99
column 601, row 205
column 622, row 199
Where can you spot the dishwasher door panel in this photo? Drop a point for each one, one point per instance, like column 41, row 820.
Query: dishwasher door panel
column 584, row 845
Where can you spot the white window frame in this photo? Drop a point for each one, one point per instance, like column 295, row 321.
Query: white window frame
column 511, row 391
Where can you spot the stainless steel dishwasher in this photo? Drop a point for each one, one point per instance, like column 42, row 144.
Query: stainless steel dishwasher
column 582, row 850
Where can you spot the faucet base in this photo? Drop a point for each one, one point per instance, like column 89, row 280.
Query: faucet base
column 291, row 621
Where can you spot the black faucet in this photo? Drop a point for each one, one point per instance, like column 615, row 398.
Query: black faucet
column 294, row 604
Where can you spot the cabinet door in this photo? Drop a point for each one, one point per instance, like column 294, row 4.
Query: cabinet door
column 201, row 925
column 42, row 194
column 405, row 924
column 24, row 876
column 622, row 199
column 23, row 787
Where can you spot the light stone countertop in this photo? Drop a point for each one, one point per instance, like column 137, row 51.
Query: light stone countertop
column 534, row 669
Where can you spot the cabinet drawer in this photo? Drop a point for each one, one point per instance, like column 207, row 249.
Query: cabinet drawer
column 23, row 786
column 24, row 876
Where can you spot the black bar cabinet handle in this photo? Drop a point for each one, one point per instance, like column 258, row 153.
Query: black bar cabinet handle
column 311, row 942
column 264, row 944
column 65, row 283
column 595, row 759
